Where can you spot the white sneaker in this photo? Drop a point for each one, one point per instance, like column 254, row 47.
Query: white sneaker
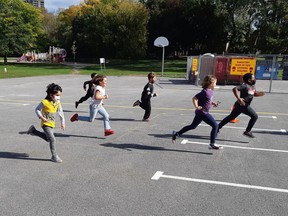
column 215, row 147
column 56, row 159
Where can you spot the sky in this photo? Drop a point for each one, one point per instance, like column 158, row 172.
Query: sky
column 53, row 5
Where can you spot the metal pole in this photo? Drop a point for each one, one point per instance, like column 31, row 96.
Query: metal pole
column 198, row 69
column 272, row 73
column 163, row 54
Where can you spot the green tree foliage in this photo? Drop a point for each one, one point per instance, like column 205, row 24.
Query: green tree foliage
column 191, row 26
column 272, row 26
column 239, row 23
column 48, row 35
column 110, row 28
column 19, row 27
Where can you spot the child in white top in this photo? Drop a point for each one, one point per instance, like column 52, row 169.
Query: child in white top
column 96, row 105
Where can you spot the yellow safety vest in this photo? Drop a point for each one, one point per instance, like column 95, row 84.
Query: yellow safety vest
column 49, row 112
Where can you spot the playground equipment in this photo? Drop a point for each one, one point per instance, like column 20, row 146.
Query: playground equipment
column 54, row 55
column 57, row 55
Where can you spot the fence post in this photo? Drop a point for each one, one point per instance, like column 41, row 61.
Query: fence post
column 272, row 73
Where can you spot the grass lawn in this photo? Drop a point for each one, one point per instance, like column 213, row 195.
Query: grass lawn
column 172, row 68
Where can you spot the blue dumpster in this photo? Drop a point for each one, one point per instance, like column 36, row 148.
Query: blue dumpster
column 264, row 70
column 285, row 73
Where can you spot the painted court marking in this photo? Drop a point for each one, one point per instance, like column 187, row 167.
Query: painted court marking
column 160, row 174
column 260, row 116
column 185, row 141
column 255, row 129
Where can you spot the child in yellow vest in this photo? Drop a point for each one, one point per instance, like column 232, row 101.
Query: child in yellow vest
column 46, row 111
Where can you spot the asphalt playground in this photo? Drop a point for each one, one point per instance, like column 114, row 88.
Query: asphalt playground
column 138, row 171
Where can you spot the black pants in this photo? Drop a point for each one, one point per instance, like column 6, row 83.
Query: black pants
column 86, row 97
column 146, row 105
column 238, row 109
column 199, row 117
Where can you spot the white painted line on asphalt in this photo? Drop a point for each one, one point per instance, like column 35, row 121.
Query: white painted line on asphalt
column 254, row 129
column 260, row 116
column 185, row 141
column 17, row 104
column 160, row 174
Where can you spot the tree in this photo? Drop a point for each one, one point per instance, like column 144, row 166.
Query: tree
column 20, row 24
column 47, row 37
column 271, row 34
column 190, row 25
column 111, row 28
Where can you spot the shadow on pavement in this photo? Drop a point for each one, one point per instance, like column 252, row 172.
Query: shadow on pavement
column 195, row 137
column 130, row 146
column 21, row 156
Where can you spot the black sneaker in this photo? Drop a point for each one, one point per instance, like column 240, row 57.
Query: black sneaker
column 249, row 134
column 215, row 147
column 31, row 129
column 136, row 103
column 76, row 104
column 174, row 136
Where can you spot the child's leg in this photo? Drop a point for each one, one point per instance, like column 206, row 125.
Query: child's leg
column 208, row 118
column 235, row 112
column 93, row 111
column 253, row 115
column 52, row 140
column 146, row 105
column 105, row 115
column 39, row 134
column 196, row 121
column 84, row 98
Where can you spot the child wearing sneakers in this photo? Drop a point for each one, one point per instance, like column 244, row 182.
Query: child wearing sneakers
column 96, row 105
column 202, row 103
column 147, row 94
column 244, row 94
column 46, row 111
column 89, row 92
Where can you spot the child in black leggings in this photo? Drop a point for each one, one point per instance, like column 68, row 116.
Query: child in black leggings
column 247, row 91
column 146, row 96
column 202, row 103
column 89, row 92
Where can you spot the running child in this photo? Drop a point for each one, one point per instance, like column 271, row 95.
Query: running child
column 46, row 111
column 89, row 92
column 244, row 94
column 96, row 105
column 146, row 96
column 202, row 103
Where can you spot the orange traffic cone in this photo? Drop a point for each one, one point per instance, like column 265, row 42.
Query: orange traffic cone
column 234, row 120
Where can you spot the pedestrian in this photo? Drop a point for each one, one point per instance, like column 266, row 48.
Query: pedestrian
column 89, row 92
column 202, row 103
column 96, row 105
column 244, row 94
column 147, row 94
column 46, row 111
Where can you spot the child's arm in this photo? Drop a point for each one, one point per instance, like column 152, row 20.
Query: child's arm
column 84, row 84
column 62, row 118
column 236, row 93
column 259, row 94
column 215, row 104
column 98, row 97
column 195, row 103
column 38, row 110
